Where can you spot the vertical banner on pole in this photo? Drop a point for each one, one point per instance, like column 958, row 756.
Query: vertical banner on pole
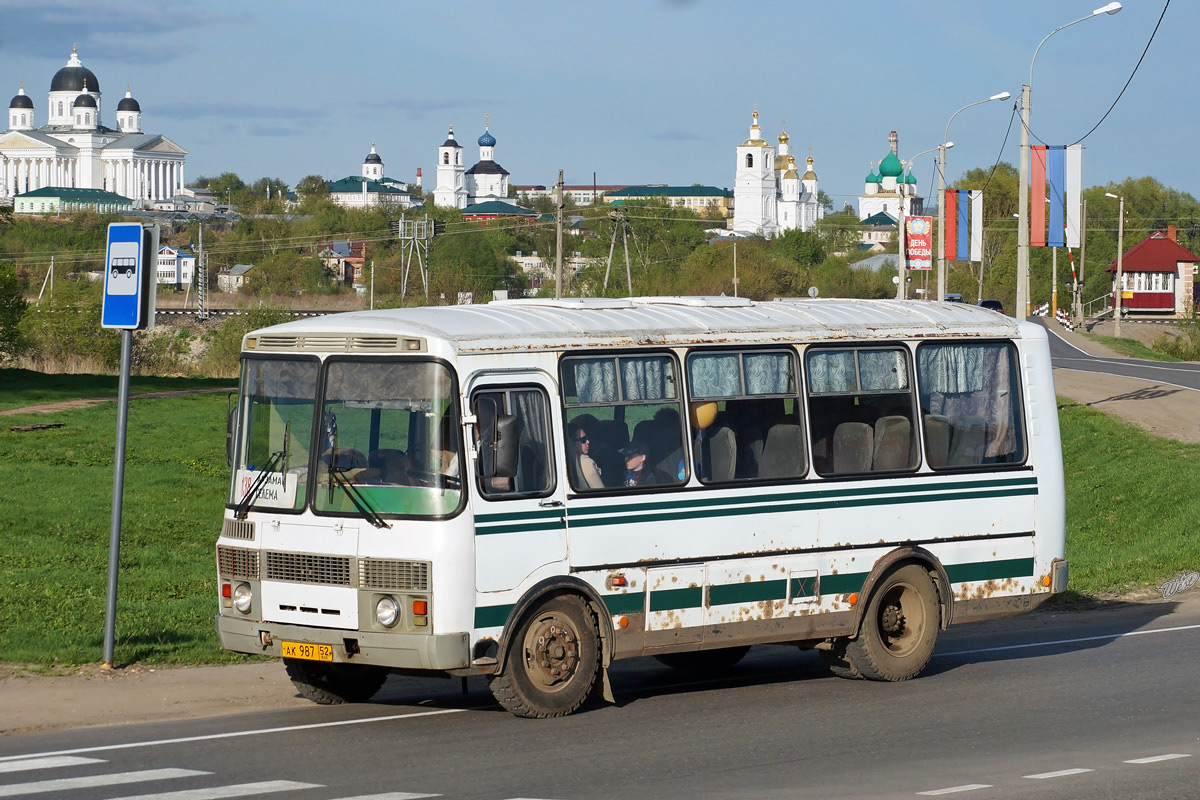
column 1037, row 196
column 1056, row 180
column 950, row 235
column 1074, row 192
column 918, row 242
column 977, row 225
column 964, row 226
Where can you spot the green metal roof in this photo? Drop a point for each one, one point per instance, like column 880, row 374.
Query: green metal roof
column 71, row 195
column 354, row 185
column 498, row 207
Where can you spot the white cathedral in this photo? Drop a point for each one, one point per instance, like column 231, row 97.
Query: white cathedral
column 884, row 191
column 770, row 196
column 459, row 187
column 74, row 149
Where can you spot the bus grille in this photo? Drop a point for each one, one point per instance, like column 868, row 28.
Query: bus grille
column 237, row 529
column 333, row 342
column 237, row 562
column 307, row 568
column 405, row 576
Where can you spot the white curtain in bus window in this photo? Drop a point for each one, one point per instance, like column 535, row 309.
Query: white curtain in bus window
column 647, row 378
column 831, row 371
column 882, row 371
column 968, row 398
column 769, row 373
column 595, row 380
column 715, row 375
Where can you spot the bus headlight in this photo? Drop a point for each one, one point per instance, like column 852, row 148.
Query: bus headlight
column 242, row 597
column 387, row 611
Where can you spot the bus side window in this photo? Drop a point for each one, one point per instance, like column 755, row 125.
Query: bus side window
column 970, row 404
column 535, row 474
column 860, row 402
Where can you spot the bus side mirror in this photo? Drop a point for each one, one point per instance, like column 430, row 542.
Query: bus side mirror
column 498, row 437
column 506, row 446
column 230, row 419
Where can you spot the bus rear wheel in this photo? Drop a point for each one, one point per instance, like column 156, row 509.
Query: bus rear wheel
column 899, row 628
column 334, row 684
column 552, row 662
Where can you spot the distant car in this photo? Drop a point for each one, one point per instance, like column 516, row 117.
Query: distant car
column 953, row 297
column 994, row 305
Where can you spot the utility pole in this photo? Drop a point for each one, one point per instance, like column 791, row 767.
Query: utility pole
column 48, row 279
column 414, row 239
column 202, row 280
column 621, row 224
column 558, row 265
column 372, row 284
column 1082, row 254
column 1053, row 282
column 735, row 278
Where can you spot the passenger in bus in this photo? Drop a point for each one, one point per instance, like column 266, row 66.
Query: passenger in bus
column 637, row 472
column 585, row 473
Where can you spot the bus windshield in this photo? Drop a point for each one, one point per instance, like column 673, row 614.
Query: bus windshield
column 386, row 439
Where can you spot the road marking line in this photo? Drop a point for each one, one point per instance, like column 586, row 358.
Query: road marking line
column 47, row 763
column 1106, row 636
column 233, row 790
column 1152, row 759
column 1062, row 773
column 113, row 779
column 231, row 734
column 966, row 787
column 1130, row 377
column 390, row 796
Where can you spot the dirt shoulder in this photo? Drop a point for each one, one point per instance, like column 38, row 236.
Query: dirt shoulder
column 84, row 402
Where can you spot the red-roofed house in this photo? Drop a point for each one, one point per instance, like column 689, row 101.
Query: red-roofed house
column 1158, row 273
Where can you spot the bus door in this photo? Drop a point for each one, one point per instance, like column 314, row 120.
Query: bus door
column 520, row 519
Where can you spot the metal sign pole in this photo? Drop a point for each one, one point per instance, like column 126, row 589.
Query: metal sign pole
column 114, row 533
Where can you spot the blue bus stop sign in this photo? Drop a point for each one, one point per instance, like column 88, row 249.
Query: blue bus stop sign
column 129, row 269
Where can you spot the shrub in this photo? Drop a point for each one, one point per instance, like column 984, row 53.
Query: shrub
column 225, row 344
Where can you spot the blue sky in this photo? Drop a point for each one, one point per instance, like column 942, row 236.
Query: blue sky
column 649, row 91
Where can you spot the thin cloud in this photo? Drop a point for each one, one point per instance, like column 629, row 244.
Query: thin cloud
column 226, row 110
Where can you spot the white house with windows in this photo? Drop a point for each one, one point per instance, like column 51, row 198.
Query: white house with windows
column 75, row 149
column 176, row 267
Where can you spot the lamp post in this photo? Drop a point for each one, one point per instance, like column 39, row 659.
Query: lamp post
column 902, row 265
column 941, row 277
column 1022, row 310
column 1117, row 292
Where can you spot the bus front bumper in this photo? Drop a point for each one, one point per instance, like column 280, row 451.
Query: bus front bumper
column 400, row 650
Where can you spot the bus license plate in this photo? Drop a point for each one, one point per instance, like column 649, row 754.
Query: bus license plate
column 308, row 652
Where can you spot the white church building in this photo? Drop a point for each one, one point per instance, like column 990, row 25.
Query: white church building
column 770, row 195
column 74, row 149
column 885, row 190
column 372, row 188
column 458, row 186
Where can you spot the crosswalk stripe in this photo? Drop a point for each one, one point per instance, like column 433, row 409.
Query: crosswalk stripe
column 389, row 796
column 113, row 779
column 233, row 790
column 47, row 763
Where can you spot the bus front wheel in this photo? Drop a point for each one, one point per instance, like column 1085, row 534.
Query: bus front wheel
column 899, row 628
column 333, row 684
column 552, row 662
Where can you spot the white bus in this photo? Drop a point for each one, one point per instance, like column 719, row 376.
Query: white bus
column 529, row 490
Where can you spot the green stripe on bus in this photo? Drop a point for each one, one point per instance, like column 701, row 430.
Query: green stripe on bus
column 990, row 570
column 627, row 516
column 628, row 603
column 816, row 494
column 843, row 583
column 674, row 599
column 519, row 515
column 521, row 528
column 804, row 587
column 752, row 592
column 491, row 616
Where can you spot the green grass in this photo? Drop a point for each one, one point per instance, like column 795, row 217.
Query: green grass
column 1130, row 347
column 1131, row 518
column 22, row 387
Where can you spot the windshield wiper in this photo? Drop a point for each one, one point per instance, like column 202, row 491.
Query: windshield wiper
column 356, row 497
column 243, row 506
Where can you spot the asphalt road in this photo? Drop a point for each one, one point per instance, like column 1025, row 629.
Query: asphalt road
column 1097, row 704
column 1064, row 355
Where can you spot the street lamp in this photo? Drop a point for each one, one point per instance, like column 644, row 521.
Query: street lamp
column 1022, row 310
column 1118, row 291
column 900, row 260
column 941, row 278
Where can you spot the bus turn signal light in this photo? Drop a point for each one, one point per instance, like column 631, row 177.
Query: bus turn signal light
column 420, row 608
column 854, row 599
column 1046, row 581
column 226, row 590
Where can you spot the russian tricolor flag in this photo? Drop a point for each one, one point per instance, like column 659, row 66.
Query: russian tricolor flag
column 963, row 238
column 1056, row 175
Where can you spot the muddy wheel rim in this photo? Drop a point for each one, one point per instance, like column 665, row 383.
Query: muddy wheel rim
column 551, row 652
column 901, row 619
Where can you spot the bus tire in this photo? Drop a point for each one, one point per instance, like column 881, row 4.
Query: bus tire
column 835, row 658
column 899, row 628
column 553, row 660
column 334, row 684
column 705, row 662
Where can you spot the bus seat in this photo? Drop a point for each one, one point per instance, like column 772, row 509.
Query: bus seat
column 347, row 458
column 749, row 452
column 967, row 445
column 853, row 447
column 893, row 443
column 392, row 466
column 782, row 452
column 937, row 439
column 719, row 453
